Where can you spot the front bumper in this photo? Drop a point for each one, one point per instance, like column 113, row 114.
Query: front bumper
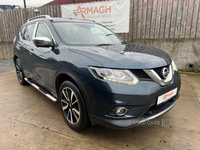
column 128, row 123
column 104, row 96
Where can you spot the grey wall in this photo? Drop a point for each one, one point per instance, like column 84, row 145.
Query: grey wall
column 184, row 52
column 6, row 50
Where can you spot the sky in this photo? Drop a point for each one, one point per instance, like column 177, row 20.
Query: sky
column 29, row 3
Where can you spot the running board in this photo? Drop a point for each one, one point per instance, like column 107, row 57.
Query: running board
column 41, row 90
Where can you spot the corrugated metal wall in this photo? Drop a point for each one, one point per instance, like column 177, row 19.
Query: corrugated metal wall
column 61, row 2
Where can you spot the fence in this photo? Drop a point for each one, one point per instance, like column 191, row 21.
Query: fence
column 12, row 20
column 148, row 19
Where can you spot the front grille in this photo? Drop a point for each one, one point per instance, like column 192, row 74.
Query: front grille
column 140, row 74
column 159, row 71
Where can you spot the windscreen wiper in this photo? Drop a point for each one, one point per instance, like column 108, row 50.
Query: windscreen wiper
column 124, row 42
column 109, row 34
column 103, row 44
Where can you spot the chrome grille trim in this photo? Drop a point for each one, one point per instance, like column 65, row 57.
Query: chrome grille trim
column 162, row 82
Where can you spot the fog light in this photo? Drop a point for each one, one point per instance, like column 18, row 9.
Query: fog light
column 121, row 111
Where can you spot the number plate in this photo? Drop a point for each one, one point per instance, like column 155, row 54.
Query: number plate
column 166, row 96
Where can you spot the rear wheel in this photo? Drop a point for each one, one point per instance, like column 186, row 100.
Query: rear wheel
column 72, row 106
column 19, row 71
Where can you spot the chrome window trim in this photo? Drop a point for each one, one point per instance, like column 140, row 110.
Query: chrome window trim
column 20, row 32
column 162, row 82
column 21, row 38
column 34, row 31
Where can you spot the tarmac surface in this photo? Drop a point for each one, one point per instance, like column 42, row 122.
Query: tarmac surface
column 29, row 120
column 6, row 65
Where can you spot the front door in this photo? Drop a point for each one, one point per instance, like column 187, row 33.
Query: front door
column 42, row 58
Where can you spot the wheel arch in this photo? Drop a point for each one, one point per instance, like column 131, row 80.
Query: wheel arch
column 67, row 76
column 15, row 57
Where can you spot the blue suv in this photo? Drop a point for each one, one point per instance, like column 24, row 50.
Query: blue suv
column 95, row 75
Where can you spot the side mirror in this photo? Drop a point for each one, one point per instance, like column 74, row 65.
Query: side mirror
column 42, row 42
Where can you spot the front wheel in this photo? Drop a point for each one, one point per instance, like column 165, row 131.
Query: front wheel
column 19, row 71
column 73, row 106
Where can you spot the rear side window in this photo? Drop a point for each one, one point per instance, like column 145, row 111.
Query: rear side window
column 28, row 32
column 43, row 31
column 22, row 31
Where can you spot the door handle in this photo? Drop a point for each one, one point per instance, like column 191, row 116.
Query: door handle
column 19, row 45
column 31, row 51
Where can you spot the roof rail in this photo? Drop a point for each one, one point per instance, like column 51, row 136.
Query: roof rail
column 82, row 19
column 41, row 16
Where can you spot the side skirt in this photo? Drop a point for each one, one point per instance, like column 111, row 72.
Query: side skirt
column 47, row 94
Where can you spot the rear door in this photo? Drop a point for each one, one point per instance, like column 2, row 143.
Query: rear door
column 25, row 43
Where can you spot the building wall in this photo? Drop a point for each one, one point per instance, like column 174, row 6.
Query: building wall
column 184, row 52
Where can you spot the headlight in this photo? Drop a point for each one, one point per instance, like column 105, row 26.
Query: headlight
column 115, row 75
column 174, row 66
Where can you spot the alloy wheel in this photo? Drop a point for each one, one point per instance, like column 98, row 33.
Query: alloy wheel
column 70, row 106
column 19, row 70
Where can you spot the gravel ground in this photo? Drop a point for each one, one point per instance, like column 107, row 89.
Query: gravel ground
column 6, row 66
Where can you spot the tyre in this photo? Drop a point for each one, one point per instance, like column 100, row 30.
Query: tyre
column 19, row 71
column 73, row 107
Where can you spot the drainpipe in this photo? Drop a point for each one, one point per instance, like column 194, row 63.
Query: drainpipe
column 25, row 4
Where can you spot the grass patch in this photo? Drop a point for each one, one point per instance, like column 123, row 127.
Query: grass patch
column 189, row 73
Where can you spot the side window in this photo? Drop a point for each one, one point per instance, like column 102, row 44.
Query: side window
column 43, row 31
column 22, row 31
column 28, row 32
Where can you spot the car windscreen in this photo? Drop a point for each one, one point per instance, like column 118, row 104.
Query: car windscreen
column 76, row 33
